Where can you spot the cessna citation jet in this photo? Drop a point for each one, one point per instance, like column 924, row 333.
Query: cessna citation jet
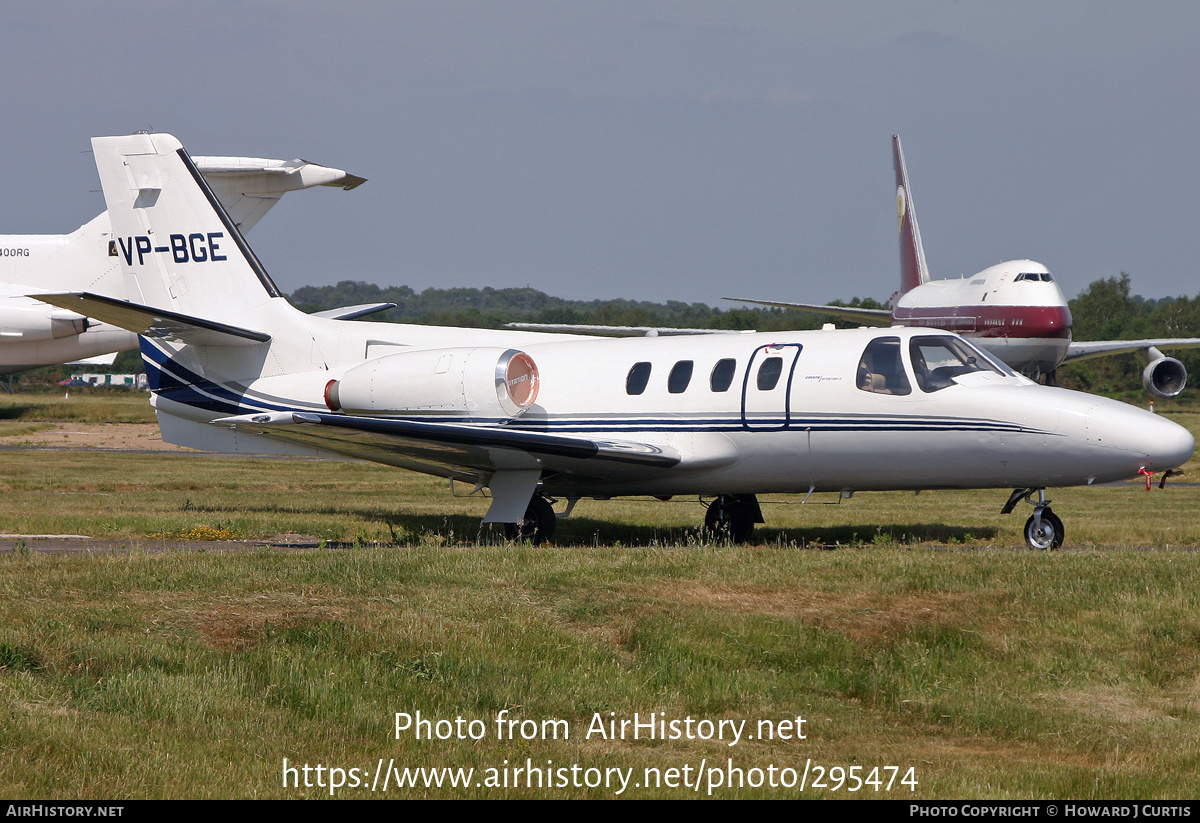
column 534, row 416
column 34, row 334
column 1014, row 310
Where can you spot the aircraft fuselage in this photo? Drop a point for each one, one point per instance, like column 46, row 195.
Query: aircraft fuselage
column 1014, row 310
column 751, row 413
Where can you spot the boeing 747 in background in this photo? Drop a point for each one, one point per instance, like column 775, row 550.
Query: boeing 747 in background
column 1014, row 309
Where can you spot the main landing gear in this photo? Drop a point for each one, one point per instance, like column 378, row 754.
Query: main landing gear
column 537, row 526
column 1043, row 529
column 732, row 517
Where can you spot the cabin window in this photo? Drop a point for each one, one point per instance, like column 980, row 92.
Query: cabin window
column 638, row 377
column 768, row 373
column 722, row 374
column 680, row 376
column 938, row 360
column 881, row 369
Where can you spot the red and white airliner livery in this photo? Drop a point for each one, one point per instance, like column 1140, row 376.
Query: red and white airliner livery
column 1014, row 309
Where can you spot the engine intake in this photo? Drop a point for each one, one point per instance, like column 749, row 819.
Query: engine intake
column 459, row 382
column 1164, row 376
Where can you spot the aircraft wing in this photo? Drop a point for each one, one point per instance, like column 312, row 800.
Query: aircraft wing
column 454, row 450
column 1097, row 348
column 873, row 317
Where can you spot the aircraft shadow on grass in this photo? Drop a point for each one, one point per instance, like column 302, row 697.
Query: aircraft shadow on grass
column 589, row 532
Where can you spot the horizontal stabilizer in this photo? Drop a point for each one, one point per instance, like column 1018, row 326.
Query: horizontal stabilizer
column 249, row 186
column 154, row 323
column 254, row 174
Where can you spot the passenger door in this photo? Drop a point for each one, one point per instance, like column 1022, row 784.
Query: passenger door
column 767, row 387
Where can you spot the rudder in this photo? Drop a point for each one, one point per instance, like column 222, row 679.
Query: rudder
column 913, row 269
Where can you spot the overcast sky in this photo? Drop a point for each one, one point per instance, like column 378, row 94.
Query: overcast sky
column 644, row 149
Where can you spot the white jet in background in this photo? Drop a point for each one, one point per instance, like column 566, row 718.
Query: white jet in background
column 530, row 416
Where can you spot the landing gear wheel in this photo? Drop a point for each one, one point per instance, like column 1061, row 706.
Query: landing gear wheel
column 729, row 518
column 537, row 526
column 1048, row 535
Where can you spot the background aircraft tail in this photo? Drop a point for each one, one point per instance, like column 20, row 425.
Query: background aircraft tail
column 913, row 269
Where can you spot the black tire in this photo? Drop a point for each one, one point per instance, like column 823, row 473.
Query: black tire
column 729, row 518
column 1049, row 537
column 537, row 526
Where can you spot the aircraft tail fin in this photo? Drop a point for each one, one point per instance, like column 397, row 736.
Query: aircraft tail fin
column 913, row 269
column 177, row 246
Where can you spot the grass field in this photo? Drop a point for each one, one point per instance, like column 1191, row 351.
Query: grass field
column 908, row 632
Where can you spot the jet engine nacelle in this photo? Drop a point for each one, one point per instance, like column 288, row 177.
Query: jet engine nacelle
column 38, row 323
column 1164, row 376
column 472, row 382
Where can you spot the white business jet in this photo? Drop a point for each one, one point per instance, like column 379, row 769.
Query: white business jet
column 34, row 334
column 535, row 416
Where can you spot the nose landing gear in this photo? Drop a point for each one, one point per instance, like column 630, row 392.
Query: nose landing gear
column 1043, row 530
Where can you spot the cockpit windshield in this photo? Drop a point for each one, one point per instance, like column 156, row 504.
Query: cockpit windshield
column 937, row 360
column 1043, row 276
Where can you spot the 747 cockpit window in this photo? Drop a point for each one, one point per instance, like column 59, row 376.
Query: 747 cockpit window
column 938, row 360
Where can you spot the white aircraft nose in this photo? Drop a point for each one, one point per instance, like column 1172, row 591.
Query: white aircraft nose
column 1161, row 443
column 1172, row 445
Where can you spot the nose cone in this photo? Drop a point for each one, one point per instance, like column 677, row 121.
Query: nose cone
column 1171, row 445
column 1155, row 442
